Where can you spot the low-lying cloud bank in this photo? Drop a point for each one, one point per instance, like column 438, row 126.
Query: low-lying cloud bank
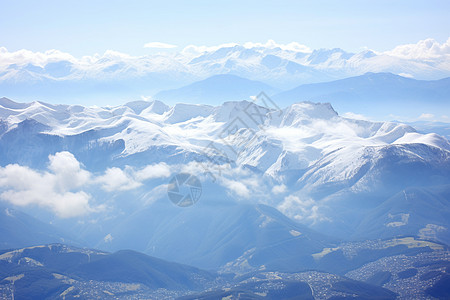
column 64, row 187
column 61, row 188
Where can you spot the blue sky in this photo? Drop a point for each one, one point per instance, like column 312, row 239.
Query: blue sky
column 87, row 27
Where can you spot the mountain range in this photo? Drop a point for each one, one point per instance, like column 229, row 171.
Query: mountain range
column 20, row 230
column 114, row 77
column 283, row 191
column 216, row 89
column 381, row 96
column 56, row 271
column 304, row 160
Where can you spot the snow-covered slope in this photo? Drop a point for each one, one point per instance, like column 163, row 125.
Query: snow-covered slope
column 300, row 128
column 314, row 132
column 305, row 159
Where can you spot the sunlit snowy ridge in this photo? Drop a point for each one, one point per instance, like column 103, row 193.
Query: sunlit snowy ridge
column 309, row 131
column 54, row 75
column 301, row 159
column 300, row 181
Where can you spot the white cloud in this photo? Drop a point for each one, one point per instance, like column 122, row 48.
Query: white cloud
column 407, row 75
column 293, row 202
column 156, row 193
column 426, row 116
column 161, row 170
column 210, row 170
column 65, row 205
column 24, row 57
column 159, row 45
column 195, row 168
column 60, row 187
column 236, row 187
column 67, row 169
column 279, row 189
column 355, row 116
column 116, row 179
column 55, row 189
column 196, row 50
column 271, row 44
column 147, row 98
column 424, row 49
column 301, row 209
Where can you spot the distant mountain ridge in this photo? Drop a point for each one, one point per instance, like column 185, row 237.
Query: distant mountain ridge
column 216, row 90
column 376, row 94
column 56, row 270
column 60, row 271
column 113, row 77
column 18, row 229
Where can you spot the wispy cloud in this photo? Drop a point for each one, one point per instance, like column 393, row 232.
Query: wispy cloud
column 301, row 209
column 196, row 50
column 426, row 116
column 159, row 45
column 279, row 189
column 271, row 44
column 236, row 187
column 351, row 115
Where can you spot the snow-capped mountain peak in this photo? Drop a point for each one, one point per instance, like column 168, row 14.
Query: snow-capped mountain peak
column 307, row 130
column 115, row 74
column 304, row 159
